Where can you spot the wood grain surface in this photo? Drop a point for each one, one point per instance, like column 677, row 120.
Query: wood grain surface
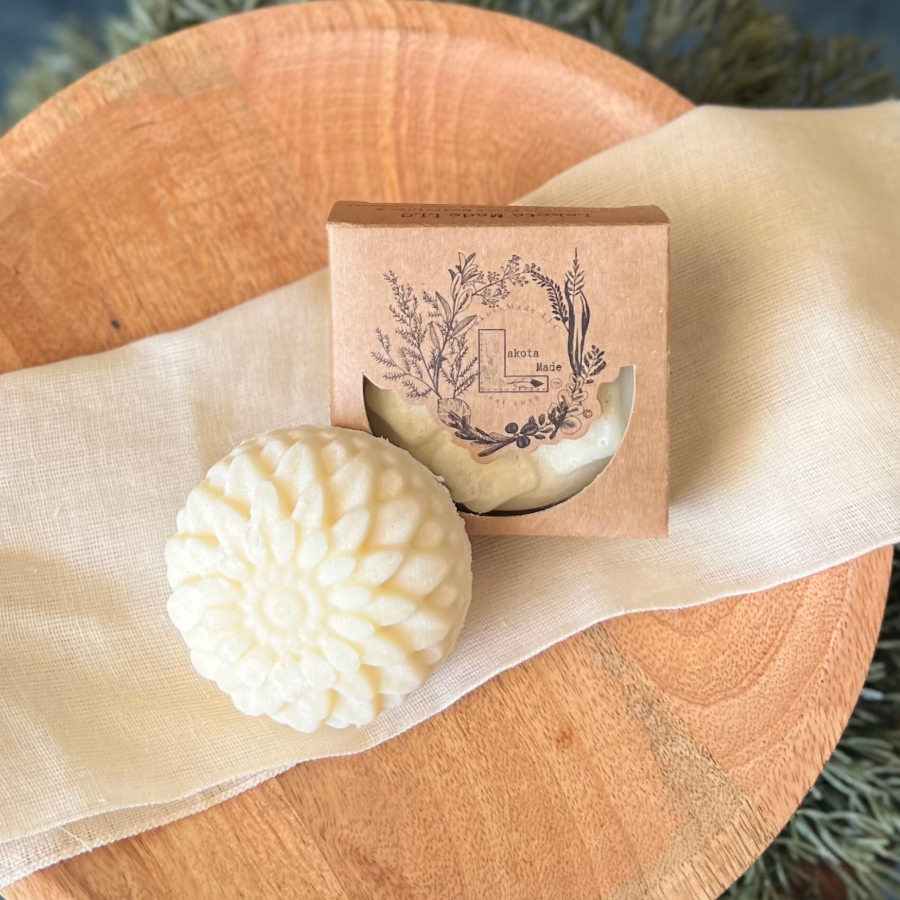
column 652, row 757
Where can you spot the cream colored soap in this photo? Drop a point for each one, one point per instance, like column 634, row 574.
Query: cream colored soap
column 511, row 481
column 319, row 575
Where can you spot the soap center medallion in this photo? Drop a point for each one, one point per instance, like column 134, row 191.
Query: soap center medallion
column 282, row 607
column 286, row 609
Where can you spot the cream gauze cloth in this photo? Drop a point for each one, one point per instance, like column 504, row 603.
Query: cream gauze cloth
column 785, row 415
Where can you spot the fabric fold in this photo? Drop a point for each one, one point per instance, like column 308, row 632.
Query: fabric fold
column 785, row 368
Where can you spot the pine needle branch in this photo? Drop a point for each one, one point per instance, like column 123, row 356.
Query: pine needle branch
column 736, row 52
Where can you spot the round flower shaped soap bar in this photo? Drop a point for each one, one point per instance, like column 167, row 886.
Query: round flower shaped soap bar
column 510, row 481
column 319, row 575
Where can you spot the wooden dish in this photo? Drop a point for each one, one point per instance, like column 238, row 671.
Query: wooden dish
column 651, row 757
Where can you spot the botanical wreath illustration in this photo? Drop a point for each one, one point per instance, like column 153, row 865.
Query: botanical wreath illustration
column 430, row 352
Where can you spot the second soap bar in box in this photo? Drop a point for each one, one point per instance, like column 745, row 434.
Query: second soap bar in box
column 521, row 353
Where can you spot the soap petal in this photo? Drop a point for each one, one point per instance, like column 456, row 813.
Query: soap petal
column 228, row 525
column 301, row 718
column 312, row 551
column 390, row 484
column 310, row 508
column 430, row 535
column 202, row 640
column 220, row 619
column 376, row 568
column 444, row 596
column 234, row 647
column 354, row 712
column 287, row 680
column 340, row 654
column 334, row 455
column 233, row 567
column 316, row 703
column 398, row 521
column 187, row 555
column 352, row 485
column 249, row 701
column 350, row 529
column 244, row 477
column 256, row 548
column 359, row 685
column 353, row 628
column 423, row 572
column 388, row 609
column 424, row 628
column 184, row 616
column 265, row 506
column 200, row 511
column 255, row 666
column 297, row 468
column 283, row 535
column 381, row 651
column 334, row 571
column 349, row 597
column 206, row 664
column 402, row 678
column 272, row 451
column 318, row 673
column 227, row 679
column 218, row 474
column 215, row 591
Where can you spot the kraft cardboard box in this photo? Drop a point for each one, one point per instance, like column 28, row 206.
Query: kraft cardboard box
column 509, row 348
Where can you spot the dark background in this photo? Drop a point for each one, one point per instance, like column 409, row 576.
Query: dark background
column 23, row 23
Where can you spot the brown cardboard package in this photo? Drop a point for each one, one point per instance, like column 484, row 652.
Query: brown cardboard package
column 506, row 332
